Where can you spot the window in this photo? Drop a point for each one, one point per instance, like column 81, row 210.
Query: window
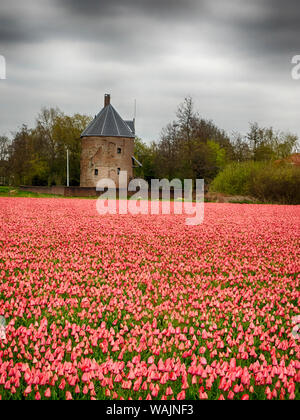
column 119, row 170
column 119, row 150
column 96, row 172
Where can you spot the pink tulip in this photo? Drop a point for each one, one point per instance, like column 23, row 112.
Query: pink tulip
column 125, row 306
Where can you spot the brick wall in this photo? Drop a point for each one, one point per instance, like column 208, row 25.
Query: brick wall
column 55, row 190
column 101, row 154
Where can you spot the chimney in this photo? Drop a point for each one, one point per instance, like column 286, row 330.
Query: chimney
column 106, row 100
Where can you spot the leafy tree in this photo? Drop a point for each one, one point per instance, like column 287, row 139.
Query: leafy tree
column 188, row 148
column 38, row 156
column 191, row 147
column 4, row 148
column 146, row 155
column 21, row 152
column 241, row 148
column 266, row 144
column 66, row 133
column 4, row 154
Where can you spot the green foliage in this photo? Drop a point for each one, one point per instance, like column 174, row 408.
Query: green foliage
column 4, row 153
column 233, row 180
column 17, row 192
column 218, row 154
column 38, row 156
column 144, row 154
column 190, row 147
column 265, row 181
column 279, row 184
column 266, row 144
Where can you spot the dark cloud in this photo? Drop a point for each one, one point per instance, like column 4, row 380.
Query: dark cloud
column 233, row 56
column 133, row 7
column 274, row 30
column 12, row 30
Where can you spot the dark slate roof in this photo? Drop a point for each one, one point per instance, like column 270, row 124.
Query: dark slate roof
column 108, row 123
column 131, row 125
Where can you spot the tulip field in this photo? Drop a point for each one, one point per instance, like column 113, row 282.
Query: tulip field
column 144, row 307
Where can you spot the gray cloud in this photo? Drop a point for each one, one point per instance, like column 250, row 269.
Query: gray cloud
column 145, row 7
column 12, row 30
column 233, row 57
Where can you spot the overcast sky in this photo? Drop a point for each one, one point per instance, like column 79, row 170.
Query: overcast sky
column 232, row 56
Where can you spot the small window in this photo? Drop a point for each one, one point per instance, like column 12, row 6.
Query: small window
column 119, row 170
column 96, row 172
column 119, row 150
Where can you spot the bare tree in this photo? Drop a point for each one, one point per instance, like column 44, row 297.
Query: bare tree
column 4, row 148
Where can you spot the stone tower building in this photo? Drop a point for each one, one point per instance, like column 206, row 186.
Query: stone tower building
column 107, row 147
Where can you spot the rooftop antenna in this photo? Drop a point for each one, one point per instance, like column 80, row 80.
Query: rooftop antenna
column 134, row 117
